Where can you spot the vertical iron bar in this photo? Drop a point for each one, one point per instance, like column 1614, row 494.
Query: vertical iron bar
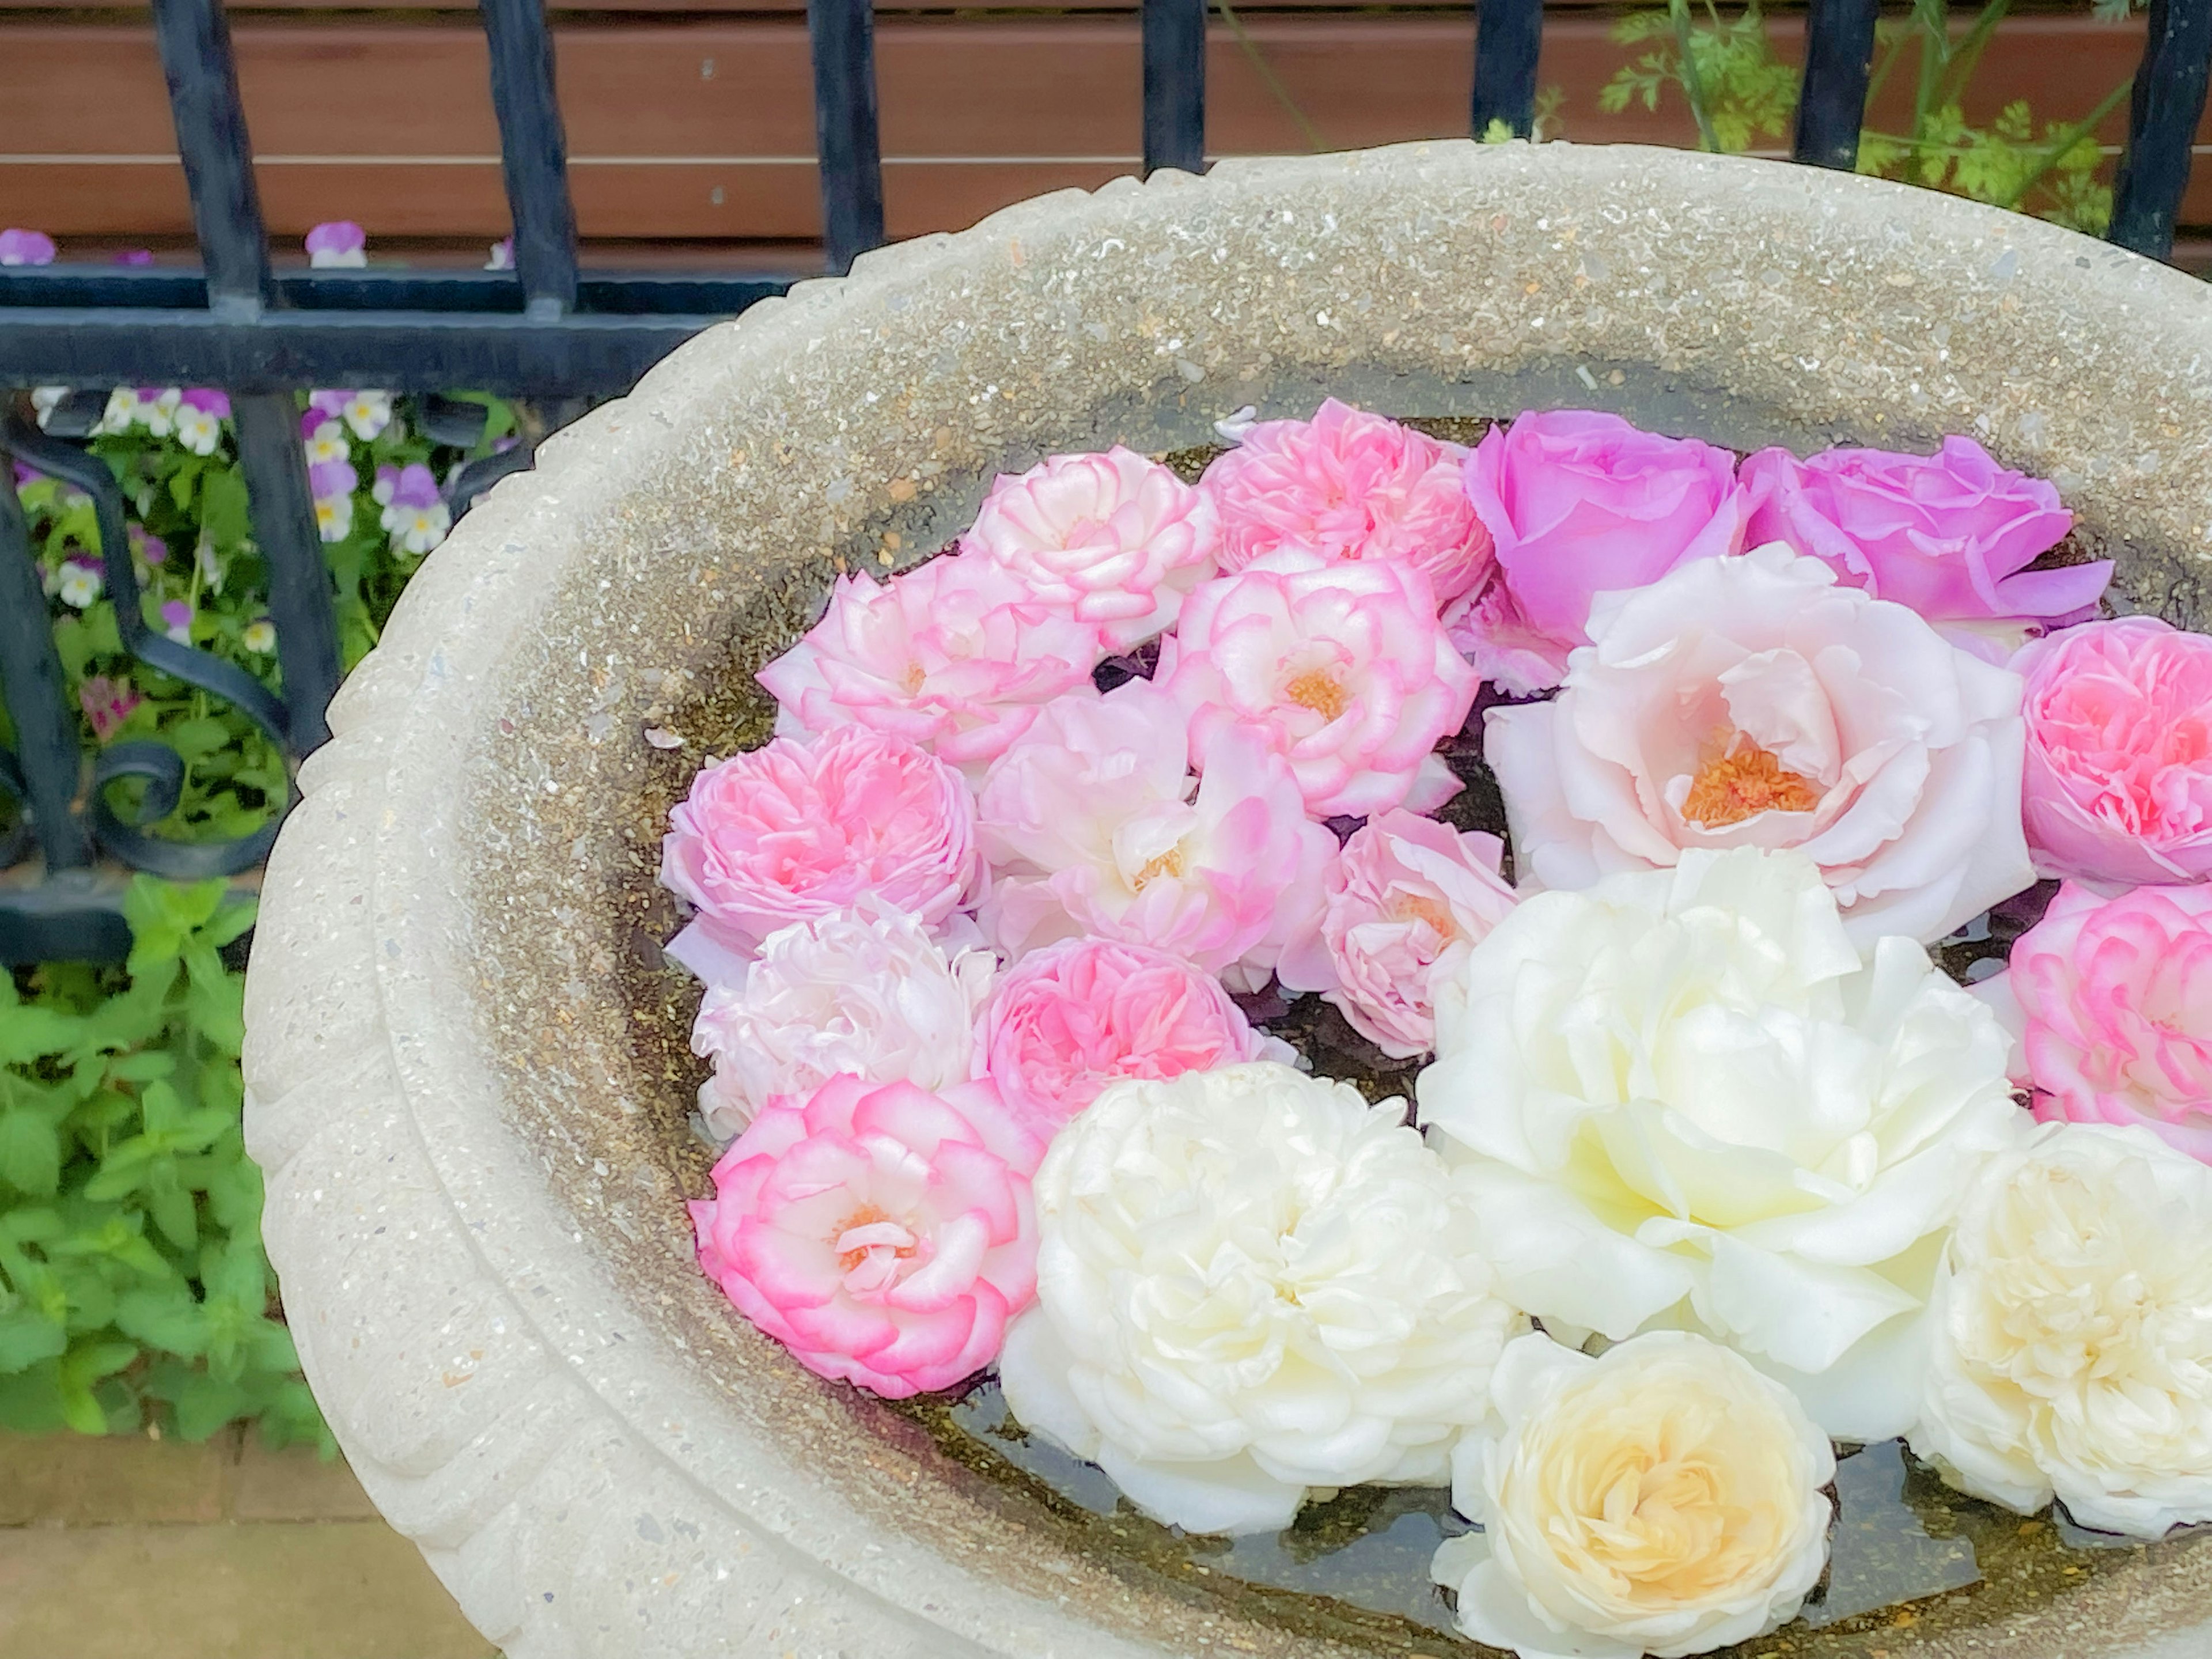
column 1832, row 99
column 843, row 33
column 218, row 157
column 533, row 154
column 35, row 692
column 1175, row 85
column 1508, row 34
column 2167, row 105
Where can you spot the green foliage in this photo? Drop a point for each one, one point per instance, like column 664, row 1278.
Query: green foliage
column 1745, row 92
column 132, row 1282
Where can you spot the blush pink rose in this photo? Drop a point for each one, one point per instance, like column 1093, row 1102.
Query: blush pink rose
column 1406, row 894
column 2111, row 1001
column 1067, row 1020
column 1348, row 485
column 1581, row 504
column 792, row 831
column 955, row 654
column 1752, row 701
column 1948, row 535
column 882, row 1233
column 1115, row 539
column 1342, row 669
column 2119, row 751
column 1091, row 824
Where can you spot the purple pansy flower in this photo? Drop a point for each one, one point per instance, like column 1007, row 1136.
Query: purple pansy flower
column 338, row 242
column 331, row 479
column 132, row 256
column 177, row 621
column 26, row 247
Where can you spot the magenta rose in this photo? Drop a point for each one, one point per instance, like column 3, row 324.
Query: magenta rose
column 1066, row 1021
column 1406, row 894
column 793, row 831
column 1348, row 485
column 1950, row 535
column 1581, row 504
column 882, row 1233
column 2118, row 780
column 2112, row 1002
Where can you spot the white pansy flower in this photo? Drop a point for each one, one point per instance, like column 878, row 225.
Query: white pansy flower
column 1664, row 1498
column 1251, row 1282
column 334, row 517
column 122, row 412
column 872, row 995
column 368, row 413
column 2072, row 1333
column 159, row 415
column 78, row 583
column 258, row 637
column 45, row 399
column 1681, row 1099
column 327, row 443
column 199, row 430
column 417, row 529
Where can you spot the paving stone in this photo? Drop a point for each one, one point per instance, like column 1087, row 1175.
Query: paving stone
column 295, row 1484
column 85, row 1480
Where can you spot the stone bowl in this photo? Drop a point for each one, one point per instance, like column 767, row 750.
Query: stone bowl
column 465, row 1060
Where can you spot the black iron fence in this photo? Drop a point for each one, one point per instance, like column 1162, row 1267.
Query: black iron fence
column 547, row 330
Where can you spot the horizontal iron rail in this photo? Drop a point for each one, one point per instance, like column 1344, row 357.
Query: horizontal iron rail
column 606, row 294
column 396, row 350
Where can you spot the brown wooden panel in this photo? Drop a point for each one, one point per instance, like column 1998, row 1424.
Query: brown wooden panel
column 703, row 129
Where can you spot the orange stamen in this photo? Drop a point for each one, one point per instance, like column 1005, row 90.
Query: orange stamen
column 1319, row 692
column 1741, row 784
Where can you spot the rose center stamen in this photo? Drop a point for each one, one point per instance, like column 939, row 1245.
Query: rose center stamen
column 1743, row 782
column 1169, row 863
column 1321, row 692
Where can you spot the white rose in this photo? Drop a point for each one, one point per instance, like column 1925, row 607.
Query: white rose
column 1752, row 701
column 1251, row 1282
column 2072, row 1328
column 1664, row 1498
column 1681, row 1099
column 870, row 993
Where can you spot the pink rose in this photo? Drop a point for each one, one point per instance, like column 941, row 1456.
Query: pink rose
column 2112, row 1002
column 1115, row 539
column 1342, row 669
column 1091, row 827
column 955, row 654
column 1752, row 701
column 1406, row 894
column 1582, row 504
column 882, row 1233
column 1948, row 535
column 1067, row 1020
column 790, row 831
column 1349, row 486
column 2119, row 751
column 1501, row 644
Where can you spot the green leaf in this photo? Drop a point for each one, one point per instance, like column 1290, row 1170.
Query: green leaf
column 30, row 1151
column 205, row 1404
column 28, row 1337
column 26, row 1033
column 168, row 1319
column 224, row 516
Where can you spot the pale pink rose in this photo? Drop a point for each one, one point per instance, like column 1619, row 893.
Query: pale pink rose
column 955, row 654
column 1115, row 539
column 1091, row 825
column 1948, row 535
column 882, row 1233
column 1348, row 485
column 2111, row 1002
column 792, row 830
column 2119, row 751
column 1067, row 1020
column 1342, row 669
column 1406, row 894
column 869, row 993
column 1581, row 504
column 1500, row 644
column 1752, row 701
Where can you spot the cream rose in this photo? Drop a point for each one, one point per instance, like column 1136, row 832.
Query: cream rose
column 2072, row 1336
column 1251, row 1282
column 1662, row 1498
column 1682, row 1099
column 1752, row 701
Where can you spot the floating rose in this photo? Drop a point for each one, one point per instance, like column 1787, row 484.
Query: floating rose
column 1581, row 504
column 1091, row 825
column 1114, row 538
column 1406, row 894
column 2073, row 1333
column 792, row 831
column 1342, row 669
column 1664, row 1498
column 956, row 655
column 2118, row 785
column 885, row 1235
column 870, row 994
column 1753, row 702
column 1684, row 1095
column 1349, row 485
column 1251, row 1282
column 1950, row 535
column 1069, row 1019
